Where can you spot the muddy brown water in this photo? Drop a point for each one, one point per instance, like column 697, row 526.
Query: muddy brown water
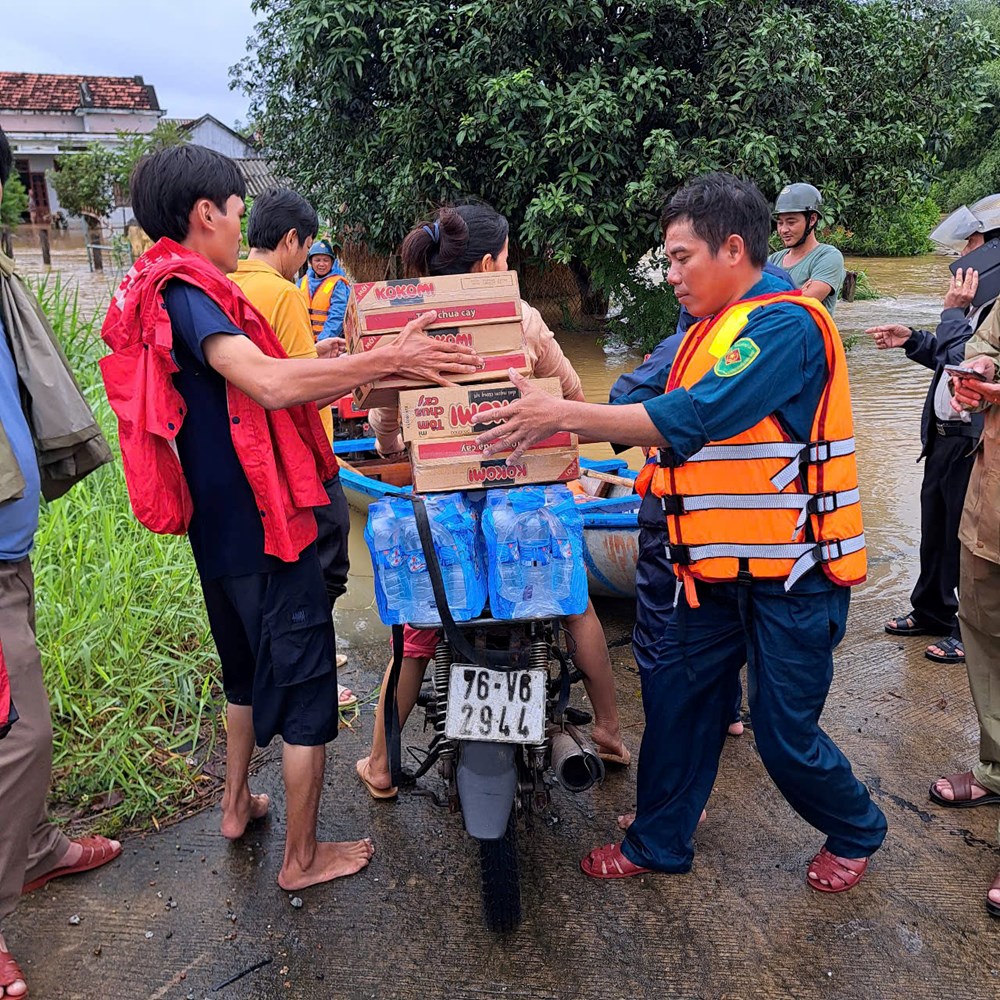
column 887, row 392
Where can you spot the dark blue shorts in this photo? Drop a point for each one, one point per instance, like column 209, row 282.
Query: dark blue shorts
column 274, row 634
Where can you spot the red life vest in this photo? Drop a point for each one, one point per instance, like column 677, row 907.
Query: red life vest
column 285, row 454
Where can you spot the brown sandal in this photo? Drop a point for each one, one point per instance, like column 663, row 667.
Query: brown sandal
column 10, row 973
column 839, row 874
column 993, row 908
column 961, row 785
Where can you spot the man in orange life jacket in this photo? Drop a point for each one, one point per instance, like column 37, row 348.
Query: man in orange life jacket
column 758, row 486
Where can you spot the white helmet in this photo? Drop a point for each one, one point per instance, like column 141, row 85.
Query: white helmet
column 982, row 217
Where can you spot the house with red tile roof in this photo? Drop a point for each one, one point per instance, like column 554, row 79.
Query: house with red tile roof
column 48, row 115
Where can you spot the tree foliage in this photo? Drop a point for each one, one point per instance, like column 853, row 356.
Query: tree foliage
column 14, row 203
column 575, row 119
column 90, row 183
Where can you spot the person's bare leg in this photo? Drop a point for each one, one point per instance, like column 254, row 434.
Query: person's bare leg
column 307, row 861
column 375, row 767
column 239, row 806
column 594, row 661
column 18, row 988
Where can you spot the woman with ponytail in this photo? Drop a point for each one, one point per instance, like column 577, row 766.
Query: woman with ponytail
column 462, row 240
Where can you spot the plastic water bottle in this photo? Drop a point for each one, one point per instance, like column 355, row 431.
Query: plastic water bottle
column 534, row 539
column 403, row 589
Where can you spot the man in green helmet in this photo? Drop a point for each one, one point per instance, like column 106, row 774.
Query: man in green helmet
column 817, row 268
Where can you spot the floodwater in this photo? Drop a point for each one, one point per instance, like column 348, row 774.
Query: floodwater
column 887, row 391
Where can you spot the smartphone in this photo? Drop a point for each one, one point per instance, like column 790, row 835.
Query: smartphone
column 985, row 260
column 960, row 371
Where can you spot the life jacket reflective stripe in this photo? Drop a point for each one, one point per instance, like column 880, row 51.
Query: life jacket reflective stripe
column 319, row 304
column 759, row 505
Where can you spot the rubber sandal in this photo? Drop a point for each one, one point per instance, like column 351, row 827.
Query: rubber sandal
column 951, row 654
column 97, row 851
column 907, row 625
column 343, row 702
column 10, row 973
column 609, row 862
column 961, row 785
column 840, row 874
column 992, row 908
column 381, row 794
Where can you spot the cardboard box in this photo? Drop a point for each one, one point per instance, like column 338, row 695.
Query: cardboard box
column 385, row 392
column 379, row 307
column 548, row 465
column 490, row 338
column 445, row 412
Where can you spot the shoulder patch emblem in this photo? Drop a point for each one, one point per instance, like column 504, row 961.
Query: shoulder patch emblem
column 738, row 358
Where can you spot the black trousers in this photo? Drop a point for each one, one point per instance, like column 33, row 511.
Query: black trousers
column 942, row 495
column 333, row 523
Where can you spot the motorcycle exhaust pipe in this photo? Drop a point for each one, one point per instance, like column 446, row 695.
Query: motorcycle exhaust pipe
column 575, row 761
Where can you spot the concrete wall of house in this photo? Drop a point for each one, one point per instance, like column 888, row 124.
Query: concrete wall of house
column 28, row 121
column 209, row 134
column 110, row 122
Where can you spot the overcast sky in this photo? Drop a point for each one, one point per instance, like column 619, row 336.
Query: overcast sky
column 184, row 48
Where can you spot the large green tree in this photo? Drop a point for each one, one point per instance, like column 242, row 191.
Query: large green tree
column 576, row 118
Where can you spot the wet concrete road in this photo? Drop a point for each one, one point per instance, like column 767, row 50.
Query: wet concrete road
column 743, row 924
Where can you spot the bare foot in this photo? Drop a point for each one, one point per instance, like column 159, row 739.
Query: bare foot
column 627, row 819
column 237, row 817
column 329, row 861
column 993, row 895
column 9, row 986
column 377, row 780
column 735, row 728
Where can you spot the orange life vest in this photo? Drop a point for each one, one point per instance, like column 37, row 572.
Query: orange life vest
column 759, row 505
column 319, row 304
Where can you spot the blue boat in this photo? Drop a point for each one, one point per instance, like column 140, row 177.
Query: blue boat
column 611, row 532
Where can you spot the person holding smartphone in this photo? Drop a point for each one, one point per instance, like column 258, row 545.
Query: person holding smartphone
column 948, row 439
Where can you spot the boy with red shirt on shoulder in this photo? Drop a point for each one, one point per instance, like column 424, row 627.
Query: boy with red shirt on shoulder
column 221, row 438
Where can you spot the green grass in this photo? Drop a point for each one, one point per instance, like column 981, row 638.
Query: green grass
column 129, row 663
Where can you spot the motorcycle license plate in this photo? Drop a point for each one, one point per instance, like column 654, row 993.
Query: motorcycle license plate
column 496, row 706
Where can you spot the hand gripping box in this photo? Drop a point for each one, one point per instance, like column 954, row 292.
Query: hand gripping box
column 448, row 412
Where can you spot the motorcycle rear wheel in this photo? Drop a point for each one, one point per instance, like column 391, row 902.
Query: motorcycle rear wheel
column 501, row 881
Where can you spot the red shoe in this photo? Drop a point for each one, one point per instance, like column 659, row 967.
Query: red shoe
column 97, row 851
column 838, row 874
column 609, row 862
column 10, row 973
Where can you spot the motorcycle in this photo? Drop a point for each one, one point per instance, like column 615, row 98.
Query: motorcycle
column 501, row 720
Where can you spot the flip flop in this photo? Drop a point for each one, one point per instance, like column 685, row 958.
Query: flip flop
column 381, row 794
column 609, row 862
column 10, row 973
column 961, row 785
column 97, row 851
column 621, row 759
column 951, row 654
column 343, row 702
column 840, row 874
column 906, row 625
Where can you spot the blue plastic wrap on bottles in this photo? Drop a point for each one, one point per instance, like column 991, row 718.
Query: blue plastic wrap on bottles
column 403, row 591
column 534, row 542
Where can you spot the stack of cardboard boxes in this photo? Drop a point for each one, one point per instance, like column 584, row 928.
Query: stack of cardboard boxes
column 440, row 424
